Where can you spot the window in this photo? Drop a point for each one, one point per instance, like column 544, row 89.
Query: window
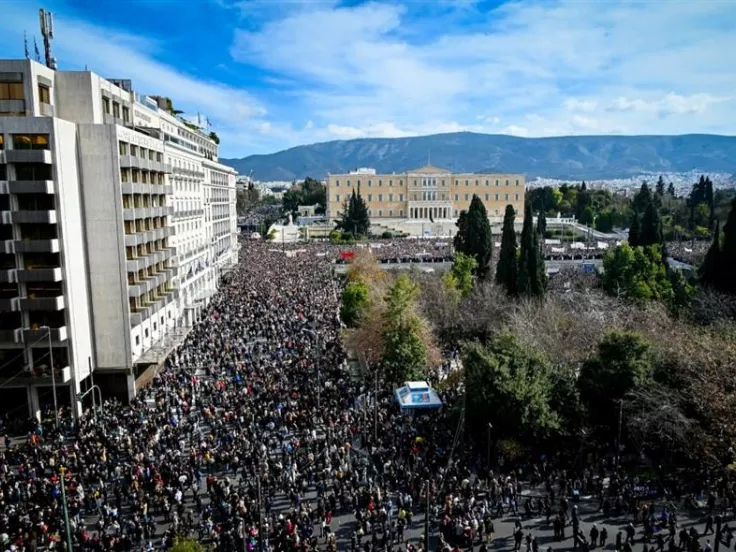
column 390, row 197
column 401, row 213
column 369, row 183
column 116, row 110
column 2, row 142
column 380, row 197
column 347, row 183
column 457, row 197
column 476, row 182
column 466, row 183
column 144, row 153
column 496, row 197
column 123, row 146
column 337, row 183
column 126, row 114
column 466, row 197
column 517, row 182
column 44, row 94
column 488, row 197
column 401, row 197
column 507, row 182
column 370, row 197
column 146, row 332
column 31, row 141
column 32, row 171
column 391, row 183
column 11, row 91
column 517, row 197
column 159, row 157
column 496, row 182
column 390, row 212
column 507, row 197
column 3, row 172
column 125, row 175
column 380, row 213
column 380, row 183
column 456, row 212
column 106, row 105
column 415, row 197
column 137, row 340
column 337, row 197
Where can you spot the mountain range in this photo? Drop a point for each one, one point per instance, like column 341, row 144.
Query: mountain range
column 563, row 157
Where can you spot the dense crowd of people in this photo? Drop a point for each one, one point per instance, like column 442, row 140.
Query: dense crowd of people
column 258, row 435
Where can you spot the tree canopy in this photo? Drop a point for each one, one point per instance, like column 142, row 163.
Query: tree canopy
column 474, row 236
column 308, row 192
column 508, row 267
column 354, row 217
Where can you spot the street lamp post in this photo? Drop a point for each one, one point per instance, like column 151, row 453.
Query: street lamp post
column 53, row 376
column 620, row 423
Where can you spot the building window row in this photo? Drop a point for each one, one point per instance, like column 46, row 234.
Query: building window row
column 31, row 141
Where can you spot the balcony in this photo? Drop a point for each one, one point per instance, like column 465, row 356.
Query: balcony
column 40, row 275
column 29, row 217
column 55, row 303
column 8, row 275
column 11, row 336
column 36, row 246
column 42, row 376
column 136, row 290
column 29, row 156
column 134, row 265
column 139, row 315
column 58, row 335
column 4, row 188
column 6, row 246
column 9, row 304
column 31, row 186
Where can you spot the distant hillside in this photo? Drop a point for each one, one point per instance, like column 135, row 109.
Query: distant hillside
column 566, row 157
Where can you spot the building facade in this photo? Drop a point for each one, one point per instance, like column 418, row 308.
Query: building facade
column 110, row 241
column 427, row 193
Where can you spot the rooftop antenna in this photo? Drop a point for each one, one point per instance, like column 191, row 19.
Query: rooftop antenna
column 25, row 45
column 47, row 31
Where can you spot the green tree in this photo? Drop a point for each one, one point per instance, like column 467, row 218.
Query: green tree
column 710, row 270
column 651, row 227
column 584, row 202
column 474, row 236
column 187, row 545
column 642, row 198
column 542, row 224
column 636, row 273
column 246, row 199
column 507, row 267
column 728, row 253
column 531, row 275
column 509, row 386
column 605, row 221
column 671, row 189
column 635, row 231
column 355, row 303
column 587, row 216
column 659, row 188
column 354, row 216
column 460, row 276
column 623, row 363
column 308, row 192
column 404, row 352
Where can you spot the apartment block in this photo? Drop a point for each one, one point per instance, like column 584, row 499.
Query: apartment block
column 116, row 223
column 430, row 193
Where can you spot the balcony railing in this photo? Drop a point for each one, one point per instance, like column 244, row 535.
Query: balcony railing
column 58, row 335
column 8, row 275
column 29, row 156
column 9, row 304
column 40, row 275
column 29, row 217
column 11, row 336
column 55, row 303
column 31, row 186
column 36, row 246
column 41, row 376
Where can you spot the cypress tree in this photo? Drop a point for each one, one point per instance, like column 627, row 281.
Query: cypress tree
column 524, row 285
column 709, row 271
column 671, row 189
column 651, row 227
column 635, row 231
column 728, row 253
column 507, row 268
column 538, row 269
column 541, row 224
column 474, row 236
column 660, row 186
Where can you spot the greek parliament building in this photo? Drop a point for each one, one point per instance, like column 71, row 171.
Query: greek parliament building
column 428, row 193
column 116, row 223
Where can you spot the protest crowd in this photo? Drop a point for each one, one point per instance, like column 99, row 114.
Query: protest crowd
column 257, row 436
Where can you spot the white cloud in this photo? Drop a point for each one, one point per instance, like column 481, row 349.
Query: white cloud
column 582, row 67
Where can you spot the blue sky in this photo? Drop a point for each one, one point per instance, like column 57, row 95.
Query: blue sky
column 272, row 74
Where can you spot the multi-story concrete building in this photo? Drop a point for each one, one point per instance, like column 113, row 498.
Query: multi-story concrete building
column 427, row 193
column 107, row 245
